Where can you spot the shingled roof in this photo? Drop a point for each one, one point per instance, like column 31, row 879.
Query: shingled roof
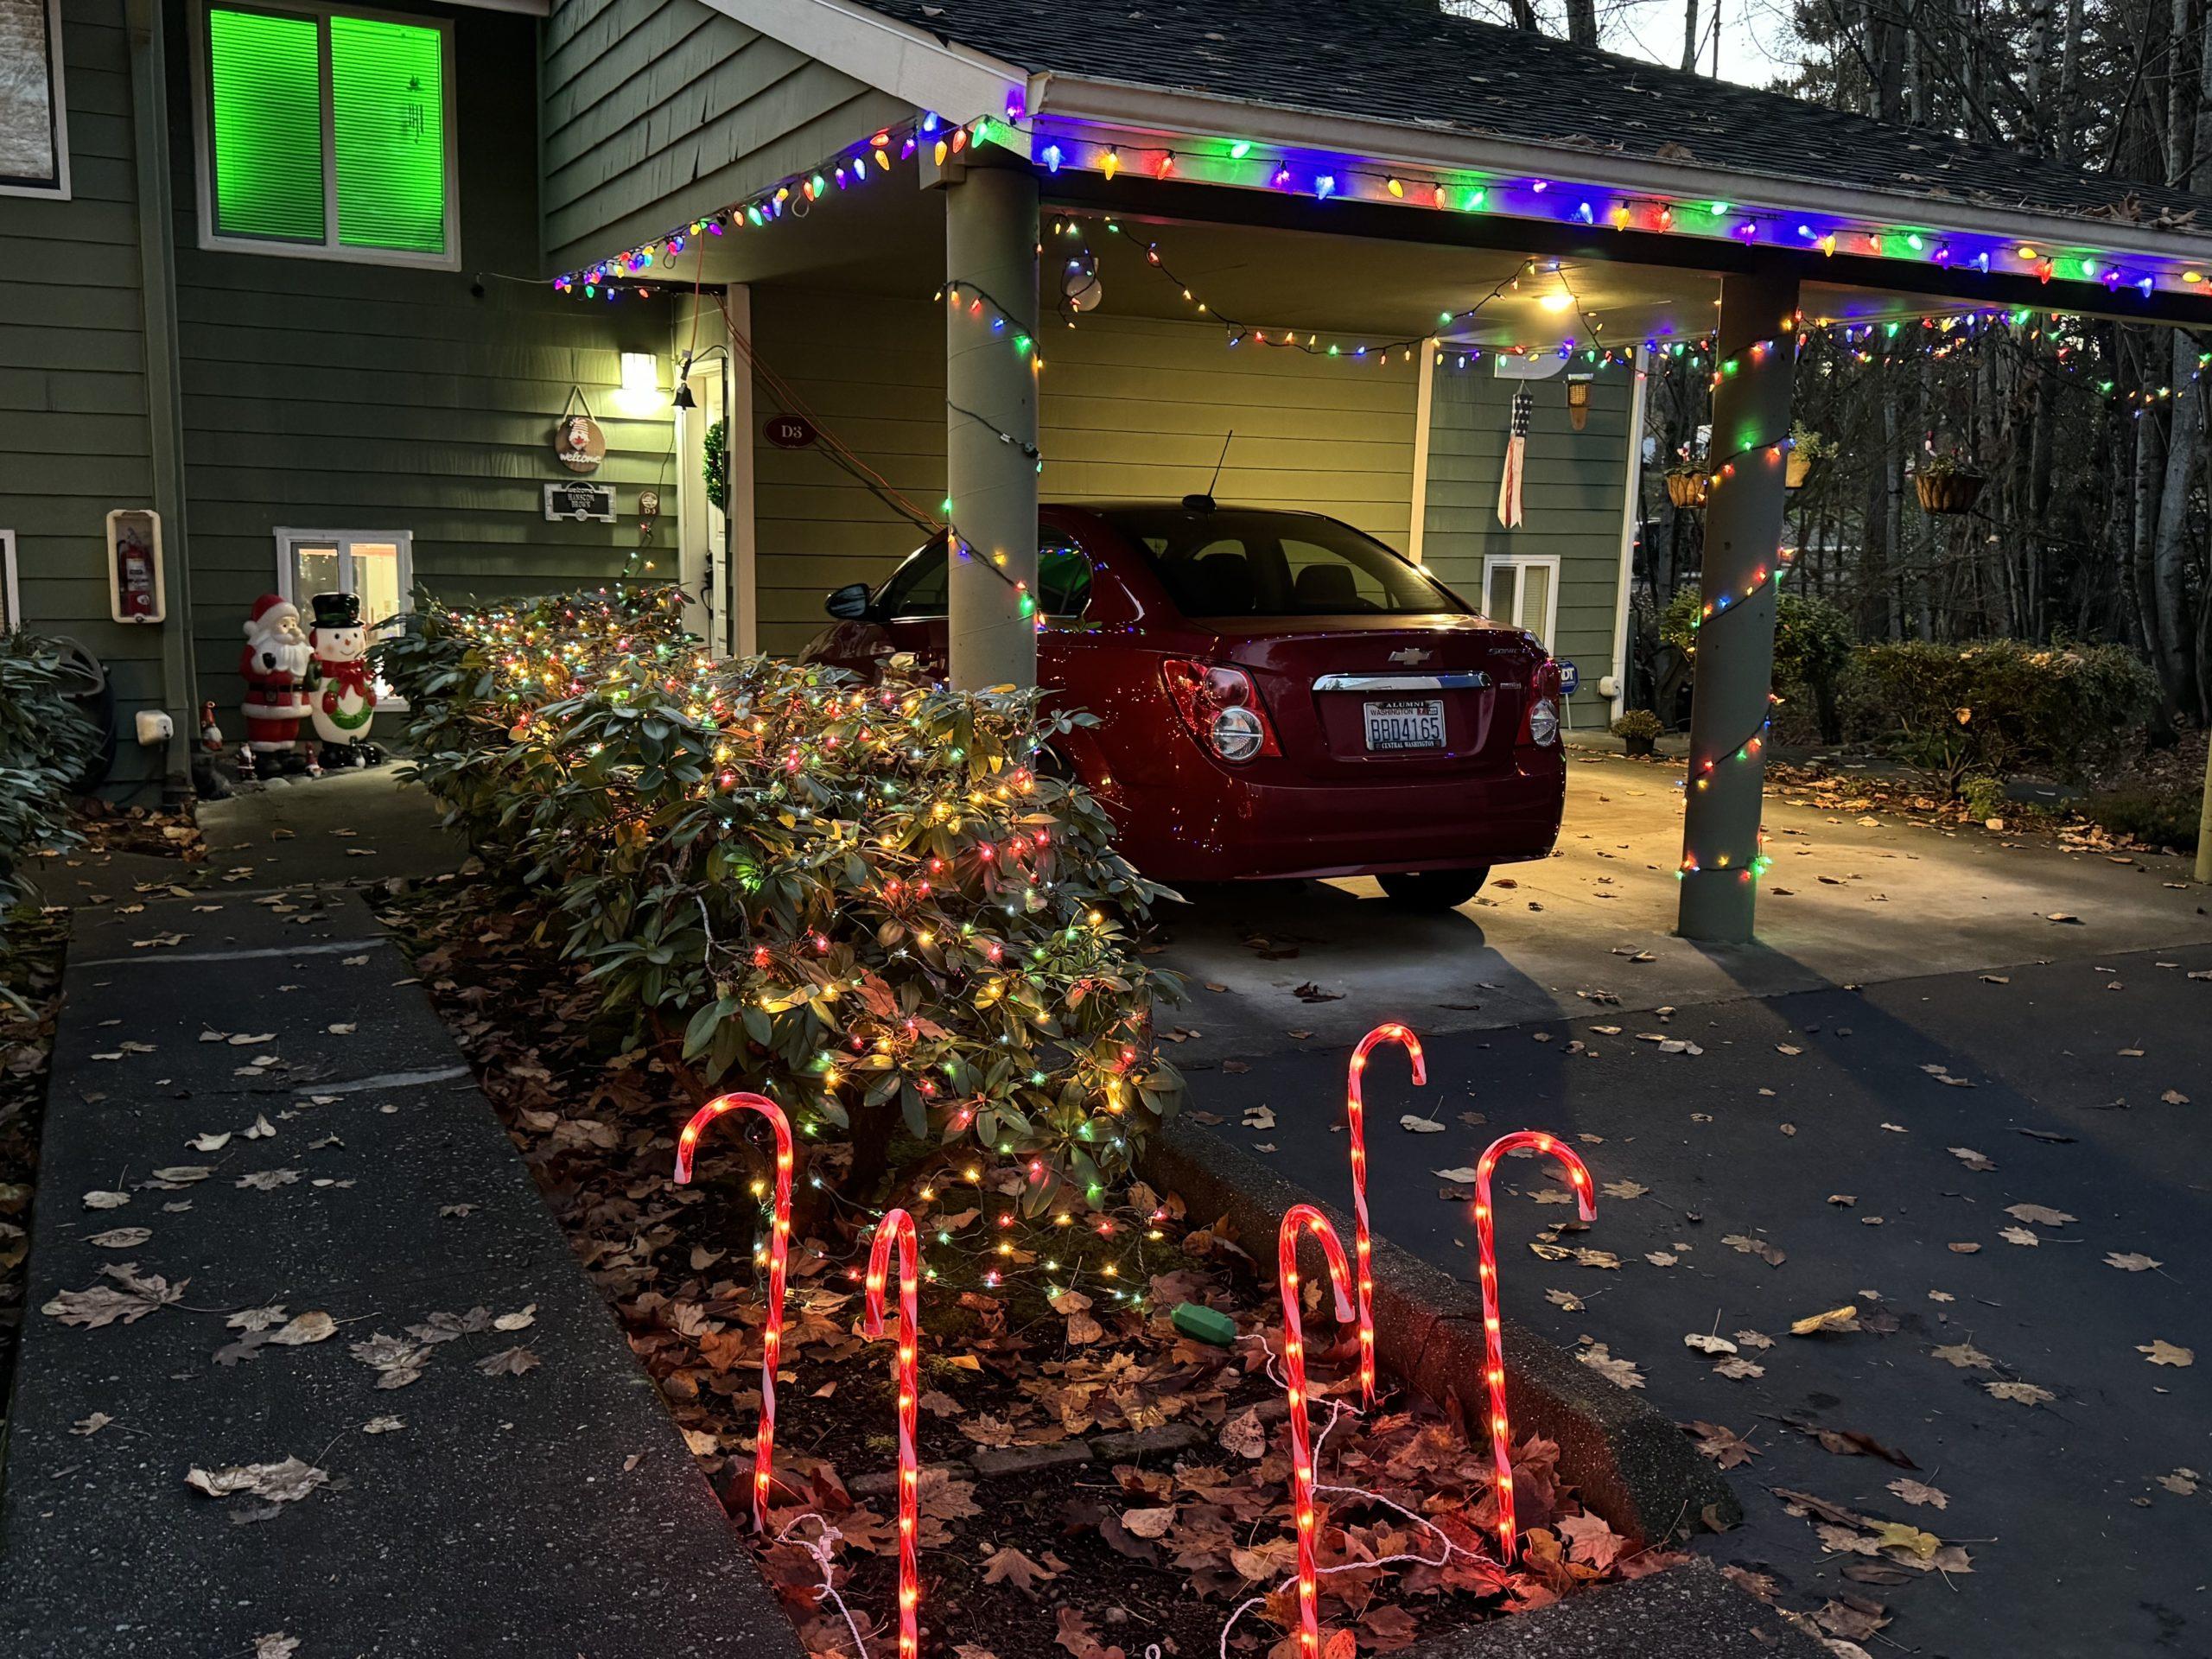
column 1410, row 62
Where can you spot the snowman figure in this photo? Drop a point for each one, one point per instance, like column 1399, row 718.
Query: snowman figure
column 341, row 688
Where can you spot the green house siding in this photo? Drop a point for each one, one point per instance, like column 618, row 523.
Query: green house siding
column 659, row 111
column 74, row 439
column 1130, row 408
column 1572, row 488
column 327, row 395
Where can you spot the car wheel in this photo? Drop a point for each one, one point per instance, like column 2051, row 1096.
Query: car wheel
column 1432, row 889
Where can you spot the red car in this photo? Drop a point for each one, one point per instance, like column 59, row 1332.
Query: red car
column 1280, row 696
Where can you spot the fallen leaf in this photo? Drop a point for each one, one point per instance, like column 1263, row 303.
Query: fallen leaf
column 2162, row 1352
column 1971, row 1159
column 396, row 1360
column 1913, row 1491
column 384, row 1425
column 2017, row 1236
column 2132, row 1262
column 1724, row 1445
column 210, row 1142
column 1009, row 1566
column 1965, row 1356
column 2042, row 1215
column 1149, row 1523
column 519, row 1321
column 121, row 1238
column 275, row 1645
column 1738, row 1368
column 1565, row 1298
column 279, row 1483
column 102, row 1304
column 1622, row 1372
column 91, row 1425
column 1706, row 1345
column 508, row 1361
column 97, row 1200
column 2025, row 1394
column 1834, row 1319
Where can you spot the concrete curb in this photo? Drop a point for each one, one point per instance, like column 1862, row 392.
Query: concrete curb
column 1687, row 1612
column 1631, row 1465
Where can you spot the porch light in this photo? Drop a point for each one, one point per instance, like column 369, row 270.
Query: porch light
column 640, row 391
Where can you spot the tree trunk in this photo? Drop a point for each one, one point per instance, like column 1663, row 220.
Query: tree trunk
column 1690, row 36
column 2070, row 83
column 1582, row 20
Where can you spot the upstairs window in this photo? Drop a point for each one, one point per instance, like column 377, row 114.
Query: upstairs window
column 327, row 134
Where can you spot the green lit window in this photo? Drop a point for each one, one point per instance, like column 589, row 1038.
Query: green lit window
column 327, row 133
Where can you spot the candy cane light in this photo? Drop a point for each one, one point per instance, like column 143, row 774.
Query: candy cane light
column 896, row 1230
column 1501, row 1433
column 779, row 1244
column 1304, row 1218
column 1355, row 1109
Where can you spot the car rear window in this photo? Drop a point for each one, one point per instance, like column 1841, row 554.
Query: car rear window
column 1257, row 563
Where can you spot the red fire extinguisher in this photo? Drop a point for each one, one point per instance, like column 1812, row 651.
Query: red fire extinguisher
column 135, row 537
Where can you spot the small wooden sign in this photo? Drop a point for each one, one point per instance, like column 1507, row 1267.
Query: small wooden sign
column 788, row 432
column 578, row 444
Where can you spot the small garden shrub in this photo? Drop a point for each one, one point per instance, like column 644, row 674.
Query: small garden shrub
column 866, row 902
column 1812, row 647
column 46, row 742
column 2163, row 818
column 2000, row 706
column 1983, row 796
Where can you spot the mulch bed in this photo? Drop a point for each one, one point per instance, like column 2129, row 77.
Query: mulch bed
column 1095, row 1481
column 31, row 970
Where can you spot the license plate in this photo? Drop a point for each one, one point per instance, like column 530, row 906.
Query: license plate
column 1406, row 725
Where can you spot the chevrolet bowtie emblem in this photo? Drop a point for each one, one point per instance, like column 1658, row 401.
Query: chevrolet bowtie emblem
column 1409, row 657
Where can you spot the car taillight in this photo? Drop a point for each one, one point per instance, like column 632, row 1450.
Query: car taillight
column 1222, row 707
column 1540, row 723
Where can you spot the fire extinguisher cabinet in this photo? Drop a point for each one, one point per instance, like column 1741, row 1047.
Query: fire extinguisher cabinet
column 137, row 590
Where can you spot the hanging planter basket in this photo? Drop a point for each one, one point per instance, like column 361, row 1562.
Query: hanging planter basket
column 1797, row 469
column 1951, row 492
column 1687, row 490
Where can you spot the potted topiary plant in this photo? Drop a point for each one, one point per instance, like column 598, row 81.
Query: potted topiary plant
column 1808, row 449
column 1946, row 483
column 1638, row 730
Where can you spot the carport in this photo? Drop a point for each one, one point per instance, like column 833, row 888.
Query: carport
column 1393, row 190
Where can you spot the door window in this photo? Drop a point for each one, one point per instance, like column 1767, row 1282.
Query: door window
column 377, row 565
column 1523, row 592
column 917, row 589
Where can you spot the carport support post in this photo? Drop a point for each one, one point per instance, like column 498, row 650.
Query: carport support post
column 1755, row 358
column 990, row 422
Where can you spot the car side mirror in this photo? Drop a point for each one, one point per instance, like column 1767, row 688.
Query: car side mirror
column 849, row 603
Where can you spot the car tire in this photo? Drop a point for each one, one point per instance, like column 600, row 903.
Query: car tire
column 1432, row 889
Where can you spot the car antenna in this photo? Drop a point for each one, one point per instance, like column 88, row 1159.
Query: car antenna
column 1203, row 503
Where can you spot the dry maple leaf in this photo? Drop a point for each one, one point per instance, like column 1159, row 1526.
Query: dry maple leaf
column 1724, row 1445
column 99, row 1200
column 2025, row 1394
column 2017, row 1236
column 1622, row 1372
column 1754, row 1339
column 2132, row 1262
column 1706, row 1345
column 256, row 1318
column 102, row 1304
column 1914, row 1492
column 1565, row 1298
column 1149, row 1523
column 305, row 1328
column 1833, row 1319
column 1737, row 1369
column 2162, row 1352
column 1965, row 1356
column 1590, row 1539
column 1010, row 1565
column 2042, row 1215
column 122, row 1238
column 275, row 1645
column 396, row 1360
column 1971, row 1159
column 508, row 1361
column 1624, row 1190
column 279, row 1483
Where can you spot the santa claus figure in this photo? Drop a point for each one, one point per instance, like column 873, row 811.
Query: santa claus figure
column 274, row 664
column 341, row 687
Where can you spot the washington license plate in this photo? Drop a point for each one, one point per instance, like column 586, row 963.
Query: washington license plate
column 1406, row 725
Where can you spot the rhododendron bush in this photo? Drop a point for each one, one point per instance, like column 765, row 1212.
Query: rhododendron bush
column 877, row 904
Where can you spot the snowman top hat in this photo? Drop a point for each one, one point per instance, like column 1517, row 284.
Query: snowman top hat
column 337, row 610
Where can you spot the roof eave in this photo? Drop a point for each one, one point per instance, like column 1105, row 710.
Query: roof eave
column 1127, row 105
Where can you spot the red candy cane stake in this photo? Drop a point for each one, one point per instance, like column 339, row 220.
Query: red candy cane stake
column 1501, row 1433
column 1355, row 1109
column 779, row 1244
column 1304, row 1218
column 896, row 1227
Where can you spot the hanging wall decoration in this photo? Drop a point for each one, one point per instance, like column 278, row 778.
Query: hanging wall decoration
column 1516, row 450
column 577, row 440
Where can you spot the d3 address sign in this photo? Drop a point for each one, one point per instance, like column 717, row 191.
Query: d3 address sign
column 788, row 432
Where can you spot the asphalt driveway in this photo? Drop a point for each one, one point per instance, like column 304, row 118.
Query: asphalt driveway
column 1922, row 1097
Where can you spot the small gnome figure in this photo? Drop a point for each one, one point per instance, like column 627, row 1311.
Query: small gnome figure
column 341, row 686
column 274, row 665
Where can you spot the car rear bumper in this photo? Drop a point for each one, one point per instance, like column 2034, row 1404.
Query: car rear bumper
column 1216, row 827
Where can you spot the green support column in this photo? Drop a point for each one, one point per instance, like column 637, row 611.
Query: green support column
column 1757, row 356
column 990, row 423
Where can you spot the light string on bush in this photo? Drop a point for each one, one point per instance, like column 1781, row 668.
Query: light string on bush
column 779, row 1239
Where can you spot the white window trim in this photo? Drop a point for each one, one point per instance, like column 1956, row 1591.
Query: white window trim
column 203, row 141
column 289, row 538
column 58, row 92
column 11, row 604
column 1549, row 632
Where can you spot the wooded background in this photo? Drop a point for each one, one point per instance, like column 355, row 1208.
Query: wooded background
column 2094, row 523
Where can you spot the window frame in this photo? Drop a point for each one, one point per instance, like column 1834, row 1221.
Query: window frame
column 57, row 94
column 203, row 137
column 1549, row 634
column 11, row 605
column 290, row 539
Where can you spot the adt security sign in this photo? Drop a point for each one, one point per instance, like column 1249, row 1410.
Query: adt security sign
column 1569, row 677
